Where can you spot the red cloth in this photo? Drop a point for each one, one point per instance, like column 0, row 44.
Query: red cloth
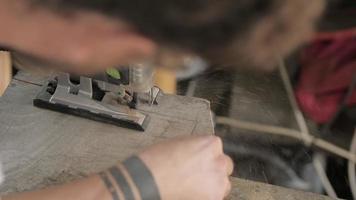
column 328, row 68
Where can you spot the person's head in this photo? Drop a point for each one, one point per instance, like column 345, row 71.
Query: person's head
column 103, row 33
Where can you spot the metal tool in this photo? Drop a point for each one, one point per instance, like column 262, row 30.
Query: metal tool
column 110, row 98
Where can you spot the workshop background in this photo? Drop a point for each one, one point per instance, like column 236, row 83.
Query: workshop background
column 253, row 109
column 323, row 77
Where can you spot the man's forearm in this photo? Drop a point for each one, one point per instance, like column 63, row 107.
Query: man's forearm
column 128, row 181
column 91, row 188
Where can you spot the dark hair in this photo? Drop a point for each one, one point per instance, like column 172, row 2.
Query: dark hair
column 225, row 32
column 197, row 25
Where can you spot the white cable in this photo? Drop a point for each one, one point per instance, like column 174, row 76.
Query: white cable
column 293, row 102
column 318, row 162
column 286, row 132
column 307, row 138
column 351, row 168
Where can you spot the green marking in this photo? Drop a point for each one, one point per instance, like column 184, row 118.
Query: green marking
column 113, row 73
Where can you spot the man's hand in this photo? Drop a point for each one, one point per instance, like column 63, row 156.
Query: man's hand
column 190, row 168
column 86, row 42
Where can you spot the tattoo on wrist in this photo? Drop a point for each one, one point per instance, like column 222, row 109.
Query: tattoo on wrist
column 122, row 183
column 140, row 177
column 143, row 178
column 109, row 186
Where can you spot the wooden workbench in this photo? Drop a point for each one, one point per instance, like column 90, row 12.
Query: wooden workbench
column 39, row 148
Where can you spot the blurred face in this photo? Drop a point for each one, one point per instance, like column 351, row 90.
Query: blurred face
column 89, row 42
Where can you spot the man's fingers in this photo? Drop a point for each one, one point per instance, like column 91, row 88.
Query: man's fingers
column 229, row 165
column 228, row 187
column 225, row 164
column 218, row 145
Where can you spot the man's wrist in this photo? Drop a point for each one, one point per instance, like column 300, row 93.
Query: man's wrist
column 143, row 178
column 130, row 181
column 109, row 185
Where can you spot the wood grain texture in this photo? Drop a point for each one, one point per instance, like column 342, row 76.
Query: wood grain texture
column 5, row 71
column 39, row 148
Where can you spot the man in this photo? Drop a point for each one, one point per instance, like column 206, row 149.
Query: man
column 87, row 36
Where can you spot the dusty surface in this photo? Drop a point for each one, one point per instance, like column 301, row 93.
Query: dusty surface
column 40, row 148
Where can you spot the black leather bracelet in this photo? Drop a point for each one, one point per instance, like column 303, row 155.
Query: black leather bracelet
column 143, row 178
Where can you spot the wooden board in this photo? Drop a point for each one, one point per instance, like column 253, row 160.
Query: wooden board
column 5, row 71
column 249, row 190
column 39, row 148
